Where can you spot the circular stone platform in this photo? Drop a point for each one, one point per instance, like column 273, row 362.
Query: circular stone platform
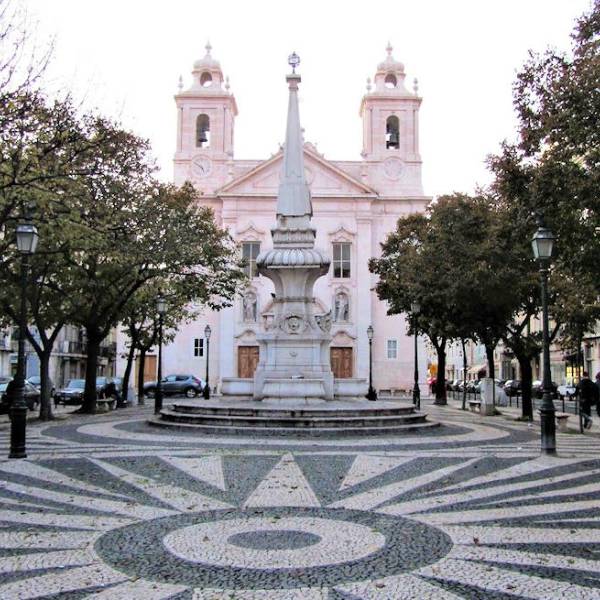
column 297, row 418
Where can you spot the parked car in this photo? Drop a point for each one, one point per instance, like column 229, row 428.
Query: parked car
column 456, row 385
column 473, row 386
column 32, row 395
column 71, row 394
column 538, row 392
column 36, row 382
column 189, row 385
column 565, row 390
column 512, row 387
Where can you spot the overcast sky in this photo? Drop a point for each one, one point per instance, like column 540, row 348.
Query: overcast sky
column 125, row 56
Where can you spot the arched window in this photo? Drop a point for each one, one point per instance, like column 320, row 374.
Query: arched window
column 206, row 79
column 392, row 133
column 203, row 131
column 390, row 81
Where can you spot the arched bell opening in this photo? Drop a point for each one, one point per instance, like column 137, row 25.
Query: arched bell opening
column 392, row 133
column 202, row 131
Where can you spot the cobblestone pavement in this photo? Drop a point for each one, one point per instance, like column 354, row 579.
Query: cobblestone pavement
column 107, row 507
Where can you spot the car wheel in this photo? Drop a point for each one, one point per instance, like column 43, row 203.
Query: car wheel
column 190, row 392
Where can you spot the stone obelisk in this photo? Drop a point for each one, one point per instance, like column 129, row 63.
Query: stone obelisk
column 294, row 360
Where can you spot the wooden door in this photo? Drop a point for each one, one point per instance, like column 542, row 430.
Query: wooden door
column 247, row 361
column 150, row 368
column 341, row 362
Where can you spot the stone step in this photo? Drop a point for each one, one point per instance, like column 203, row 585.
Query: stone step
column 257, row 411
column 293, row 421
column 294, row 431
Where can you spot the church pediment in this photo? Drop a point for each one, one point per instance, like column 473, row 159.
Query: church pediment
column 323, row 177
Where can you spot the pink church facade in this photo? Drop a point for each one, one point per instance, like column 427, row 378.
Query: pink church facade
column 355, row 203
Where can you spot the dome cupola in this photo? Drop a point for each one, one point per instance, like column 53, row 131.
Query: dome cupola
column 207, row 73
column 390, row 75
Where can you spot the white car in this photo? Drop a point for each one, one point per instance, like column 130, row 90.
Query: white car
column 566, row 389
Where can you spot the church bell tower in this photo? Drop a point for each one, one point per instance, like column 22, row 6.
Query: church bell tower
column 206, row 114
column 390, row 116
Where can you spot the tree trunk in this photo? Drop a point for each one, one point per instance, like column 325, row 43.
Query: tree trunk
column 526, row 380
column 491, row 369
column 464, row 351
column 91, row 370
column 45, row 389
column 489, row 354
column 140, row 381
column 127, row 374
column 440, row 384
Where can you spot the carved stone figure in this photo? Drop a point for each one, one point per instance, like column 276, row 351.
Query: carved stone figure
column 293, row 323
column 249, row 307
column 341, row 307
column 324, row 322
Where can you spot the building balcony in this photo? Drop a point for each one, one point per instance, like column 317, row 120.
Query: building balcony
column 108, row 350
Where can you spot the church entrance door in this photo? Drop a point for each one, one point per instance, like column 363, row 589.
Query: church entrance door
column 247, row 361
column 341, row 362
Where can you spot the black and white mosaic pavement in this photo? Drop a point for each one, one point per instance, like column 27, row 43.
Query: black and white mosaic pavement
column 110, row 508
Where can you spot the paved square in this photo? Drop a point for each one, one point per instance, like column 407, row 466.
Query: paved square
column 108, row 507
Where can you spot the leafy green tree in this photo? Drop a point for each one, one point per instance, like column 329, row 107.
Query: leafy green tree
column 43, row 148
column 451, row 261
column 130, row 237
column 553, row 168
column 411, row 270
column 46, row 315
column 141, row 326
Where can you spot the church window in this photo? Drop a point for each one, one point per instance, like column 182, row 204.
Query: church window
column 198, row 347
column 250, row 250
column 392, row 133
column 202, row 131
column 341, row 260
column 205, row 79
column 390, row 81
column 392, row 349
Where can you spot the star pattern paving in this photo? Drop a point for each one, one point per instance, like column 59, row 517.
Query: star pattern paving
column 110, row 508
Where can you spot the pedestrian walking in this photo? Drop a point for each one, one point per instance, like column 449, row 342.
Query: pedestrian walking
column 588, row 394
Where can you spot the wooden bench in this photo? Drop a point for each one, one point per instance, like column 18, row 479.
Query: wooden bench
column 475, row 405
column 561, row 419
column 105, row 404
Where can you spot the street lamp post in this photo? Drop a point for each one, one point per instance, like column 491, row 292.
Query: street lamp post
column 27, row 239
column 161, row 309
column 206, row 391
column 542, row 244
column 371, row 393
column 415, row 308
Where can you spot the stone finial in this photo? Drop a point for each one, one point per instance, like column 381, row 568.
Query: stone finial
column 389, row 49
column 208, row 47
column 416, row 86
column 180, row 84
column 293, row 61
column 368, row 84
column 227, row 86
